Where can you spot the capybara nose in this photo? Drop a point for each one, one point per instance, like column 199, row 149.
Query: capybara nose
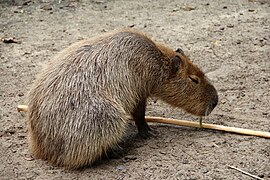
column 214, row 102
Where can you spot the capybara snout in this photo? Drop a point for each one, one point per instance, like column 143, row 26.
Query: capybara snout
column 213, row 102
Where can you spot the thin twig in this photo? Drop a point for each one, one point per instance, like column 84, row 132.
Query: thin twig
column 215, row 145
column 22, row 108
column 244, row 172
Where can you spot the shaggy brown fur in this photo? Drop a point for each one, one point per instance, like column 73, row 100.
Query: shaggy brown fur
column 80, row 103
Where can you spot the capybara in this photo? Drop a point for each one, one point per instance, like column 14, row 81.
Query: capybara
column 81, row 102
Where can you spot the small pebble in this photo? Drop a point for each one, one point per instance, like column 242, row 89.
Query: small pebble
column 261, row 175
column 26, row 3
column 162, row 152
column 46, row 7
column 20, row 94
column 120, row 167
column 130, row 157
column 21, row 136
column 185, row 161
column 28, row 157
column 238, row 42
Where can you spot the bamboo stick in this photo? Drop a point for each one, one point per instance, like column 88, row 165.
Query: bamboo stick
column 207, row 126
column 24, row 108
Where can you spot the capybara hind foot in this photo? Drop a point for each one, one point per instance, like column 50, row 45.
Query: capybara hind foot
column 116, row 153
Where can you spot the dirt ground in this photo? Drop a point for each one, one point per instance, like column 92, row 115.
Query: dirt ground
column 229, row 40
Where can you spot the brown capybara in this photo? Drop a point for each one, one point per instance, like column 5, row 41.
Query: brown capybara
column 80, row 104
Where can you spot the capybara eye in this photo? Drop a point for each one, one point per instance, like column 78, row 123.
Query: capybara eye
column 194, row 79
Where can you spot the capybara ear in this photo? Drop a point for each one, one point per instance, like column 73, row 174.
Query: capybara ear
column 176, row 62
column 179, row 51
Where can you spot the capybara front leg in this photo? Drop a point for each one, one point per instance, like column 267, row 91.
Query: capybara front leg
column 139, row 117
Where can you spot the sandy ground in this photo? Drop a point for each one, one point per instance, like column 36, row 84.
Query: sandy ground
column 229, row 40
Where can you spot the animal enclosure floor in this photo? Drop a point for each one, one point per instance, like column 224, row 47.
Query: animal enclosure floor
column 228, row 40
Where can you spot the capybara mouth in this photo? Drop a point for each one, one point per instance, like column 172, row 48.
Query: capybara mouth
column 211, row 106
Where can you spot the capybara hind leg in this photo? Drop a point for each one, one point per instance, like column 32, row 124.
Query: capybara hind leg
column 101, row 131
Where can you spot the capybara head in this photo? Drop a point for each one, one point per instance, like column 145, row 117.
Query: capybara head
column 188, row 88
